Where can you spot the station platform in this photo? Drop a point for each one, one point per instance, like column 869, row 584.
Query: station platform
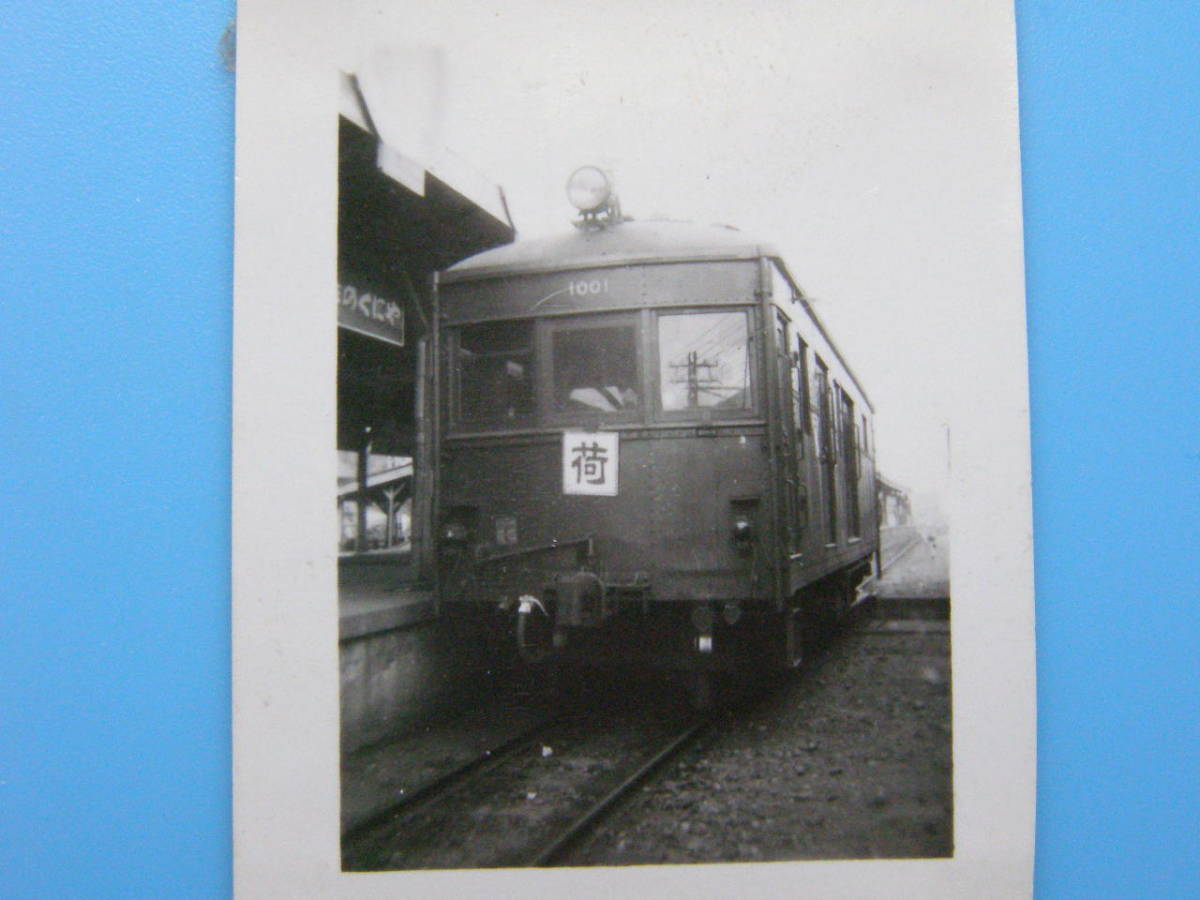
column 397, row 661
column 363, row 611
column 378, row 592
column 917, row 568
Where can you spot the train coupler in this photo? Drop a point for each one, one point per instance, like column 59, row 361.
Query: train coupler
column 580, row 600
column 527, row 603
column 537, row 639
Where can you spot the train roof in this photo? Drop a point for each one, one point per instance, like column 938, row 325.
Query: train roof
column 628, row 242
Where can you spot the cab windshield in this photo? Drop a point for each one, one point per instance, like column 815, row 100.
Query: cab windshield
column 704, row 361
column 496, row 372
column 552, row 371
column 595, row 367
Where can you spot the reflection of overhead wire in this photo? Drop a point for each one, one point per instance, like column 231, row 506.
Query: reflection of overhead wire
column 703, row 335
column 682, row 324
column 722, row 321
column 723, row 344
column 701, row 360
column 723, row 336
column 729, row 332
column 726, row 353
column 698, row 384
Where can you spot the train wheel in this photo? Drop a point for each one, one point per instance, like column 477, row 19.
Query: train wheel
column 845, row 596
column 550, row 678
column 535, row 634
column 795, row 637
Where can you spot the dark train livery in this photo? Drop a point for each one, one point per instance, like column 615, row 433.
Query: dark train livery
column 650, row 449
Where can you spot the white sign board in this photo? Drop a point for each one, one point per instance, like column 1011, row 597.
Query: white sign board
column 590, row 462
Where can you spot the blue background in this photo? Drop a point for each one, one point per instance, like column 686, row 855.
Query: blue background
column 116, row 135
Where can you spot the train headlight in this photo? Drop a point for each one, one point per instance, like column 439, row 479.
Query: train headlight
column 589, row 189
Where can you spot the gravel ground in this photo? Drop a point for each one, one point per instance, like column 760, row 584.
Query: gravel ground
column 852, row 759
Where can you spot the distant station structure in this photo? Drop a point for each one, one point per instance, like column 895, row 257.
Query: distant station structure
column 895, row 507
column 401, row 218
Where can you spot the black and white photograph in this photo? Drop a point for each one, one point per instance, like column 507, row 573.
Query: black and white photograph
column 674, row 420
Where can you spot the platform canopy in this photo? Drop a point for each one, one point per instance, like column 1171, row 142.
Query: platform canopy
column 395, row 205
column 404, row 212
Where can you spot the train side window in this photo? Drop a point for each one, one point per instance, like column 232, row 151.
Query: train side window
column 787, row 378
column 704, row 361
column 801, row 380
column 821, row 387
column 835, row 421
column 496, row 374
column 595, row 367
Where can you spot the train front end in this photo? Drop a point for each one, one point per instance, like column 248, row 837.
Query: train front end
column 603, row 476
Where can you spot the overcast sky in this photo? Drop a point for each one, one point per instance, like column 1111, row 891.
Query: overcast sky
column 859, row 139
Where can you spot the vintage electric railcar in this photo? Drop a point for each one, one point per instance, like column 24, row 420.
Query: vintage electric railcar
column 650, row 449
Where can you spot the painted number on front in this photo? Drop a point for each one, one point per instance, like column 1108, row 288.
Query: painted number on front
column 584, row 288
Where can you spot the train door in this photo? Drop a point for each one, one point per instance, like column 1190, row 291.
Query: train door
column 826, row 454
column 849, row 463
column 785, row 416
column 792, row 353
column 802, row 425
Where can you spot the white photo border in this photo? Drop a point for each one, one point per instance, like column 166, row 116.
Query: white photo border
column 285, row 621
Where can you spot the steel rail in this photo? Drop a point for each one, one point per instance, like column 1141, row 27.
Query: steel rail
column 551, row 854
column 447, row 782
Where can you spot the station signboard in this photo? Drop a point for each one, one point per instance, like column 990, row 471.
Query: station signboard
column 370, row 314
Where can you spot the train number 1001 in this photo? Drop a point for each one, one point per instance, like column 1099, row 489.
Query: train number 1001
column 585, row 288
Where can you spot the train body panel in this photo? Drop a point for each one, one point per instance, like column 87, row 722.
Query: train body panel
column 668, row 529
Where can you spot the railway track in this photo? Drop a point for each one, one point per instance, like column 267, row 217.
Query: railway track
column 524, row 803
column 559, row 848
column 447, row 782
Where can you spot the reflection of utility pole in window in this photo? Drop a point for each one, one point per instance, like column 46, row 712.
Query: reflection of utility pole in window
column 390, row 536
column 693, row 379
